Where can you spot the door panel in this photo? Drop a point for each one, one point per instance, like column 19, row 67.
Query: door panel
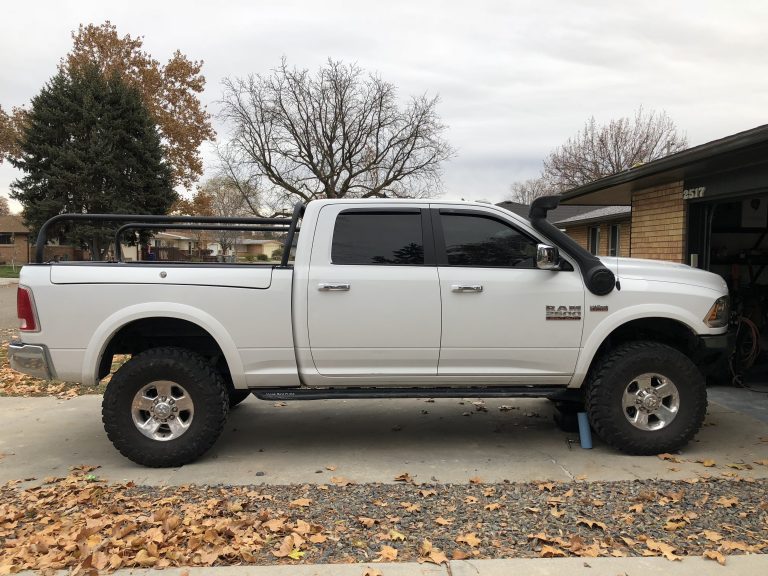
column 494, row 302
column 380, row 318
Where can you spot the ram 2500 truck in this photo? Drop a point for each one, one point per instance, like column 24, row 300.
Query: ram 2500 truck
column 385, row 298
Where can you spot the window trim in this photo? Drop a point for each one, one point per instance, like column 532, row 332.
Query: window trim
column 427, row 236
column 616, row 249
column 596, row 251
column 441, row 252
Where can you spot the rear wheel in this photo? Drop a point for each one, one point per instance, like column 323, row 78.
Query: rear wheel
column 646, row 398
column 165, row 407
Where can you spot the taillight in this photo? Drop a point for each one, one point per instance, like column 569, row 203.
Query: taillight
column 25, row 309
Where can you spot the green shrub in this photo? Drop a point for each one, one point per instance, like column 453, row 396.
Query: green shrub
column 262, row 258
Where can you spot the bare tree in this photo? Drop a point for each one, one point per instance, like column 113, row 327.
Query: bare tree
column 4, row 208
column 336, row 133
column 599, row 151
column 227, row 198
column 527, row 191
column 602, row 150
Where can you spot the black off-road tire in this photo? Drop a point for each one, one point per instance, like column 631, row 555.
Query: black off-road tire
column 236, row 396
column 617, row 369
column 203, row 384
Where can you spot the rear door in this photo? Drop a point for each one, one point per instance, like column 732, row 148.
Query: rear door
column 373, row 294
column 501, row 316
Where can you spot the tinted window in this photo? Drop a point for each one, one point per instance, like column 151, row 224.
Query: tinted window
column 479, row 241
column 378, row 238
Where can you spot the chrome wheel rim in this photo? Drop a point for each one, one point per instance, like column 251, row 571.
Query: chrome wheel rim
column 650, row 402
column 162, row 410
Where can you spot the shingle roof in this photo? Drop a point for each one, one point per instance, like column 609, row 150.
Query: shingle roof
column 557, row 215
column 13, row 224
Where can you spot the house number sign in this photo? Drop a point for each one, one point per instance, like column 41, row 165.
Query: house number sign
column 691, row 193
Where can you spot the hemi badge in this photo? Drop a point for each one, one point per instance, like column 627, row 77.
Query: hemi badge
column 598, row 308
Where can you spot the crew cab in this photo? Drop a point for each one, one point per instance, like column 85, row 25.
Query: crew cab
column 384, row 298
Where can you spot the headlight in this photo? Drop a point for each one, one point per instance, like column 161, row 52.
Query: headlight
column 717, row 317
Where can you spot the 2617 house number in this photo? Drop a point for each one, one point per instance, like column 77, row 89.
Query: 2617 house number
column 691, row 193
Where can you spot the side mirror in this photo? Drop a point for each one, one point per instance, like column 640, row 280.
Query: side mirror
column 547, row 257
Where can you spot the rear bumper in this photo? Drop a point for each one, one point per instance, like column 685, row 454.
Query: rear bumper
column 30, row 359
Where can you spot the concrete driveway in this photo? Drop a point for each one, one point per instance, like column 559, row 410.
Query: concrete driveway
column 446, row 440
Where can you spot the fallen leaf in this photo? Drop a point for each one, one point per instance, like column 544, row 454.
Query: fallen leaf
column 707, row 463
column 727, row 502
column 404, row 477
column 470, row 539
column 429, row 553
column 427, row 493
column 318, row 538
column 636, row 508
column 459, row 555
column 300, row 503
column 395, row 535
column 714, row 555
column 331, row 467
column 762, row 462
column 533, row 510
column 492, row 506
column 592, row 524
column 470, row 500
column 476, row 480
column 372, row 572
column 387, row 554
column 367, row 522
column 341, row 481
column 664, row 549
column 411, row 508
column 548, row 486
column 550, row 552
column 557, row 513
column 712, row 536
column 669, row 457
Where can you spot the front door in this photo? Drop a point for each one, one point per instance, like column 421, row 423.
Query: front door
column 373, row 294
column 501, row 315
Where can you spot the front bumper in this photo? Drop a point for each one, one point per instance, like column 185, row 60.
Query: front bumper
column 30, row 359
column 712, row 352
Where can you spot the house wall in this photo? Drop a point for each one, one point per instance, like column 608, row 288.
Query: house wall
column 659, row 223
column 17, row 252
column 581, row 234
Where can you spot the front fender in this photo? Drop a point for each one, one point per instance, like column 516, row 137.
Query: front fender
column 604, row 329
column 111, row 325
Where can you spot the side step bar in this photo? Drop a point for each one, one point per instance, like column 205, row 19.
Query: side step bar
column 558, row 393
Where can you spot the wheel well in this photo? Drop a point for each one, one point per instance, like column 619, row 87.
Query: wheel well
column 140, row 335
column 664, row 330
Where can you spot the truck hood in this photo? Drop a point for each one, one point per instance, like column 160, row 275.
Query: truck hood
column 661, row 271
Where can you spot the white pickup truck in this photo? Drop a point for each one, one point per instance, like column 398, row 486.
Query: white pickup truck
column 385, row 298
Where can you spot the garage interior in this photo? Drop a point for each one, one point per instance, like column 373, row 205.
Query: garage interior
column 720, row 190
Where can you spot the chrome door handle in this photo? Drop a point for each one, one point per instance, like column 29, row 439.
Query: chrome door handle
column 330, row 287
column 466, row 288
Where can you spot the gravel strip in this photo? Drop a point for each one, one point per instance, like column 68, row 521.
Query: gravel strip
column 337, row 523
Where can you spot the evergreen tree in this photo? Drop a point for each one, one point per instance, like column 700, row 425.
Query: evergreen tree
column 90, row 146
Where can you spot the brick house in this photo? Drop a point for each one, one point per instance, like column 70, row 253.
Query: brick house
column 14, row 240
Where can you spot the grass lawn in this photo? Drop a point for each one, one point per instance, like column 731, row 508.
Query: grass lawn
column 9, row 272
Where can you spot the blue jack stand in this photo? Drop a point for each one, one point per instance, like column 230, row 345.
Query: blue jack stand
column 585, row 433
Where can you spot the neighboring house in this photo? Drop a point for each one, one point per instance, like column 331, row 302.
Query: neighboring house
column 168, row 247
column 603, row 230
column 14, row 240
column 244, row 247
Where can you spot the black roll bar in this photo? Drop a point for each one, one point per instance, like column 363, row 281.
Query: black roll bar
column 138, row 219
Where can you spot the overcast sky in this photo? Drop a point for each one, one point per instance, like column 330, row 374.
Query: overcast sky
column 515, row 78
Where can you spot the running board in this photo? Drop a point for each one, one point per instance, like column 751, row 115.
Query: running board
column 558, row 393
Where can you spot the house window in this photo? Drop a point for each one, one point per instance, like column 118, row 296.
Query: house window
column 593, row 240
column 6, row 238
column 613, row 240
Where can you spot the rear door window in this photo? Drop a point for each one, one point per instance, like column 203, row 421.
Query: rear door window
column 378, row 238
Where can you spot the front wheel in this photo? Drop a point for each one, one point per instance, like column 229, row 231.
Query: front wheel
column 646, row 398
column 165, row 407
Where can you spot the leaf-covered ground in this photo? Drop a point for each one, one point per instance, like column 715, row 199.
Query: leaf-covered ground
column 82, row 523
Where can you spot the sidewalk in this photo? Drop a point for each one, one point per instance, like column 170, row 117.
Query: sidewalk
column 735, row 566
